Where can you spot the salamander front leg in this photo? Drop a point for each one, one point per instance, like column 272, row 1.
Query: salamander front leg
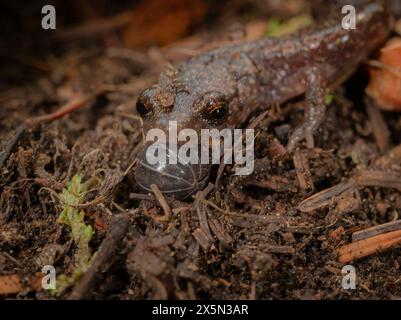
column 315, row 109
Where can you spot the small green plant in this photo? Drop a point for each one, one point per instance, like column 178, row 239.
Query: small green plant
column 81, row 234
column 272, row 27
column 275, row 28
column 328, row 98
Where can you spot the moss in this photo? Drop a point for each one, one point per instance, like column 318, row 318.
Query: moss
column 81, row 233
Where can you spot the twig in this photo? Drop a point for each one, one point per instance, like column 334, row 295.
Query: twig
column 260, row 218
column 135, row 56
column 28, row 61
column 376, row 230
column 62, row 111
column 10, row 145
column 104, row 257
column 66, row 109
column 363, row 178
column 11, row 258
column 380, row 128
column 381, row 175
column 162, row 200
column 133, row 163
column 304, row 176
column 323, row 198
column 202, row 238
column 219, row 231
column 95, row 27
column 279, row 249
column 377, row 178
column 347, row 202
column 253, row 125
column 141, row 196
column 368, row 246
column 201, row 213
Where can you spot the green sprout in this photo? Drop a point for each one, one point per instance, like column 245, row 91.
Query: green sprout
column 81, row 234
column 275, row 28
column 328, row 98
column 272, row 27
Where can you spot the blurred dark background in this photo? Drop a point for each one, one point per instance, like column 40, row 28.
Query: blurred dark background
column 133, row 24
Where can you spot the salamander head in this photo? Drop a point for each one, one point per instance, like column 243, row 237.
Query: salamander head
column 195, row 97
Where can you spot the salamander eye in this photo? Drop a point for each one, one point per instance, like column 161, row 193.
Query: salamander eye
column 144, row 106
column 216, row 108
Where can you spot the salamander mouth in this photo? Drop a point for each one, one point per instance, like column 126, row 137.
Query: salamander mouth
column 180, row 180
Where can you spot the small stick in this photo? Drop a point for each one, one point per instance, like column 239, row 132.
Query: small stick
column 260, row 218
column 26, row 60
column 11, row 258
column 323, row 198
column 377, row 178
column 368, row 246
column 10, row 145
column 380, row 128
column 66, row 109
column 222, row 165
column 376, row 230
column 202, row 238
column 363, row 178
column 62, row 111
column 94, row 27
column 162, row 200
column 304, row 176
column 104, row 257
column 279, row 249
column 222, row 235
column 141, row 196
column 201, row 212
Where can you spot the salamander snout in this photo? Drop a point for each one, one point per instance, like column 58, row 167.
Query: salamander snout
column 174, row 178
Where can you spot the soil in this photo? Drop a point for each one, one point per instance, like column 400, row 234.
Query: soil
column 241, row 237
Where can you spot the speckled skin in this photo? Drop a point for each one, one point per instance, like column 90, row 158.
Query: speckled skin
column 255, row 75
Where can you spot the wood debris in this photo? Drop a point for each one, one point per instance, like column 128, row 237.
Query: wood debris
column 304, row 175
column 369, row 246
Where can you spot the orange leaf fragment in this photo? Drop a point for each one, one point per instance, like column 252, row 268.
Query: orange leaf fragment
column 385, row 83
column 10, row 284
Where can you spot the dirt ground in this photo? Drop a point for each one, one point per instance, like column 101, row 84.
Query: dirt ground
column 276, row 234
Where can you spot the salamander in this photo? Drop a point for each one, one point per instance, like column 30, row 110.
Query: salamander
column 221, row 88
